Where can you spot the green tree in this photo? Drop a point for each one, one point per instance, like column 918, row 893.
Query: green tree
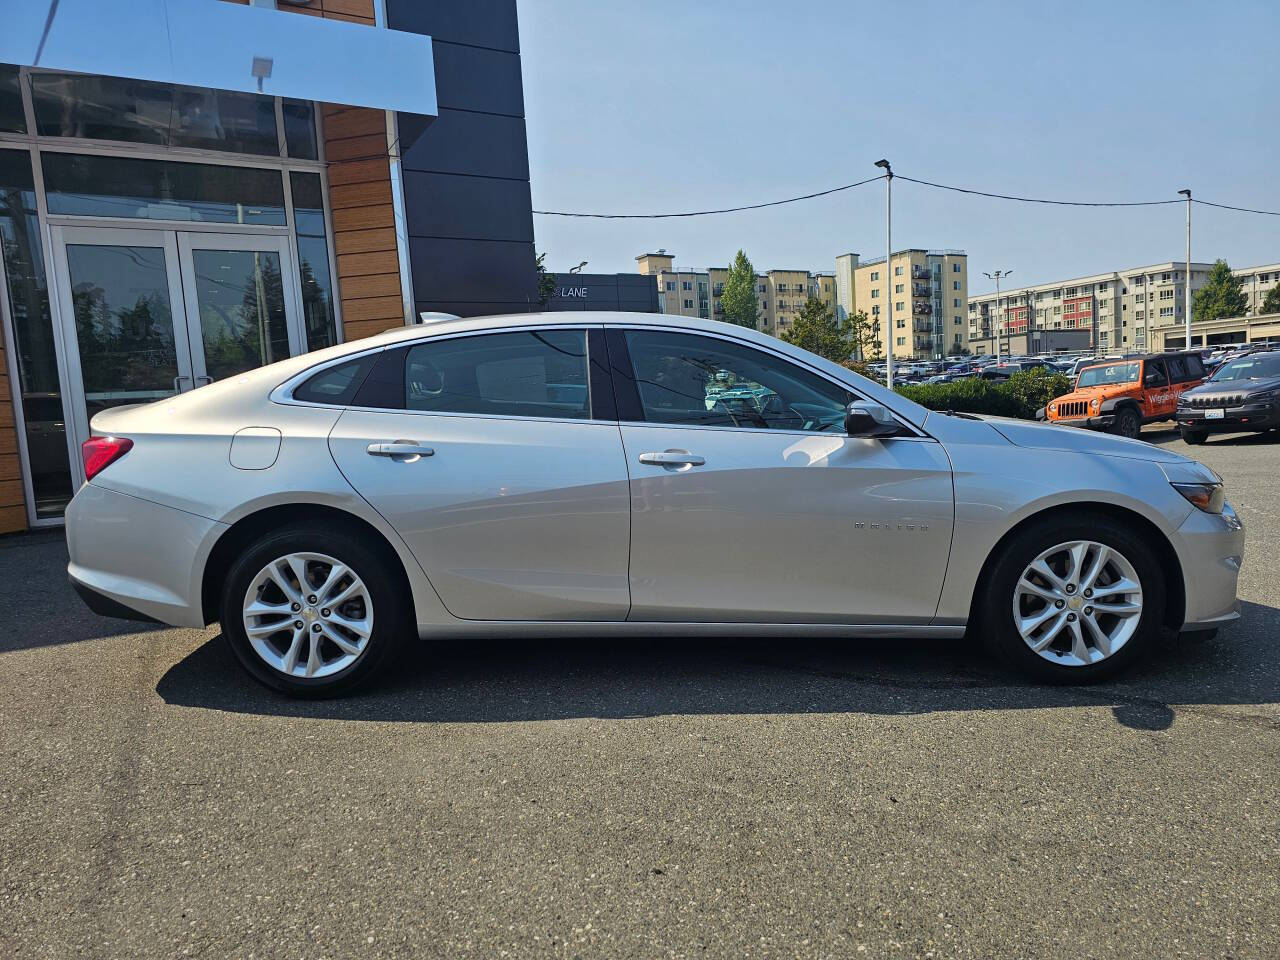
column 1271, row 302
column 546, row 281
column 1221, row 296
column 739, row 300
column 816, row 330
column 862, row 334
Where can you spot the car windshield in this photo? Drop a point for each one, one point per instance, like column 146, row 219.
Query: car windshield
column 1249, row 368
column 1111, row 373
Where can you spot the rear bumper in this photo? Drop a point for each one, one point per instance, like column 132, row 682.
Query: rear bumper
column 1210, row 548
column 137, row 559
column 1250, row 416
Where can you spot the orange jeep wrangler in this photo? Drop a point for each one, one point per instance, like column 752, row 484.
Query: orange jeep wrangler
column 1121, row 395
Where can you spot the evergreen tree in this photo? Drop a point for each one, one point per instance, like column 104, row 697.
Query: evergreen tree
column 739, row 300
column 1222, row 295
column 816, row 330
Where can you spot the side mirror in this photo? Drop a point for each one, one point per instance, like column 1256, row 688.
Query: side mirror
column 862, row 418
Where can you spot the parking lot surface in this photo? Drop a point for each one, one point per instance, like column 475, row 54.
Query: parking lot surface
column 668, row 798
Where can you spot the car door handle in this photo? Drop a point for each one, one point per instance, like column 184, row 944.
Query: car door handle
column 406, row 451
column 673, row 458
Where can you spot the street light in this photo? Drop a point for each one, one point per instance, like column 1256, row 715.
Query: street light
column 888, row 257
column 1187, row 278
column 996, row 277
column 578, row 268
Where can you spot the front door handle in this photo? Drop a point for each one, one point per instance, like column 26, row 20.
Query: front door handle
column 402, row 451
column 673, row 459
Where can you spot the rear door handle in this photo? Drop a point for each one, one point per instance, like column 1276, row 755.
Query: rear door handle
column 673, row 458
column 405, row 451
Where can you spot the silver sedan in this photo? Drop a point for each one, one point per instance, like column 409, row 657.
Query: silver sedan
column 619, row 475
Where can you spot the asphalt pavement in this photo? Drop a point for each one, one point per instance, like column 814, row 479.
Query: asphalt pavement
column 663, row 798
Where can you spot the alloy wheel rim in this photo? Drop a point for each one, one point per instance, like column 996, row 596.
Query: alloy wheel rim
column 1078, row 603
column 308, row 615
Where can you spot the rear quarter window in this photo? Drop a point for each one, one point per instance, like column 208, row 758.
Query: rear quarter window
column 338, row 384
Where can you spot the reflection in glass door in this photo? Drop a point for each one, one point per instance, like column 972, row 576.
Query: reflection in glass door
column 239, row 303
column 118, row 290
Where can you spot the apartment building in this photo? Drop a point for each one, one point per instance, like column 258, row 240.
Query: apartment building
column 1119, row 308
column 929, row 296
column 781, row 294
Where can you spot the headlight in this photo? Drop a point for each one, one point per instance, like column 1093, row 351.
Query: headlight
column 1053, row 408
column 1204, row 496
column 1094, row 404
column 1268, row 397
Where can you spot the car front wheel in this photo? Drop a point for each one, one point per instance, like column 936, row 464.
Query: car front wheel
column 1073, row 599
column 1192, row 437
column 1128, row 424
column 313, row 613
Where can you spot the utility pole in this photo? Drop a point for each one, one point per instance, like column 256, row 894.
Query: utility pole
column 1187, row 278
column 888, row 259
column 996, row 323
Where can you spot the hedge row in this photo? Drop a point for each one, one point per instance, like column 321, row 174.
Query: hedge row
column 1019, row 396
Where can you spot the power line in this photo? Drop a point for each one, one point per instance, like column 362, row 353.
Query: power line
column 706, row 213
column 1056, row 203
column 1223, row 206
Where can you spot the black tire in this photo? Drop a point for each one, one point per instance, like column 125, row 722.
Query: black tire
column 994, row 605
column 381, row 575
column 1192, row 437
column 1128, row 423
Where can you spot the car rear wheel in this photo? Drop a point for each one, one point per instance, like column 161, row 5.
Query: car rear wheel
column 1073, row 599
column 1192, row 437
column 1128, row 424
column 313, row 613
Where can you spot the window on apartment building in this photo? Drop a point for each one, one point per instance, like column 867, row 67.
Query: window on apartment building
column 959, row 321
column 1166, row 294
column 1140, row 315
column 901, row 324
column 763, row 289
column 1102, row 288
column 897, row 271
column 875, row 294
column 897, row 305
column 955, row 302
column 764, row 305
column 1137, row 281
column 671, row 284
column 902, row 341
column 875, row 274
column 1057, row 310
column 1264, row 277
column 1139, row 298
column 955, row 268
column 1071, row 291
column 1166, row 311
column 1166, row 277
column 955, row 284
column 897, row 288
column 686, row 285
column 875, row 310
column 688, row 304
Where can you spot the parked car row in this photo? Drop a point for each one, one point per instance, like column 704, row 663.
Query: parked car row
column 1240, row 394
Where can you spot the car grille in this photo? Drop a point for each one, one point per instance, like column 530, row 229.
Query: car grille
column 1213, row 400
column 1073, row 408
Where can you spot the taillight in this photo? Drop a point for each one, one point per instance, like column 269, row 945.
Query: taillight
column 99, row 453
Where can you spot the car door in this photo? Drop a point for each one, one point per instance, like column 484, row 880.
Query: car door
column 748, row 502
column 497, row 458
column 1159, row 400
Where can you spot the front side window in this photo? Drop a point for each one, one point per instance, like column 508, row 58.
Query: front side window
column 533, row 373
column 1155, row 375
column 702, row 381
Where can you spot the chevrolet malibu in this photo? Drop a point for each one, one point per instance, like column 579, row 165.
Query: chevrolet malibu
column 621, row 475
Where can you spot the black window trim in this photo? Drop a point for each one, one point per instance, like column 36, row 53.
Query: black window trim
column 631, row 412
column 603, row 402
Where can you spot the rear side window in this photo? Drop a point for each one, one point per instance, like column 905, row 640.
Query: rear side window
column 337, row 384
column 530, row 373
column 1195, row 368
column 1178, row 369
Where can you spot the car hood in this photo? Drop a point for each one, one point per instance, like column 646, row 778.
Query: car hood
column 1234, row 387
column 1042, row 436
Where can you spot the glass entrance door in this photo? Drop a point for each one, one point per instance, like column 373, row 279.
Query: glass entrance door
column 150, row 313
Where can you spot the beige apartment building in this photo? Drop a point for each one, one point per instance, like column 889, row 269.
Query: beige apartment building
column 1119, row 309
column 929, row 296
column 781, row 293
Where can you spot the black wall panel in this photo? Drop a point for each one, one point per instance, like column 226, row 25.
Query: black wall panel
column 466, row 173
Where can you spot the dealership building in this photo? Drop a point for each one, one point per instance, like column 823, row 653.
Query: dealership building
column 192, row 188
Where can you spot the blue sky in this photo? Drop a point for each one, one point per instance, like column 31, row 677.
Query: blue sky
column 681, row 106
